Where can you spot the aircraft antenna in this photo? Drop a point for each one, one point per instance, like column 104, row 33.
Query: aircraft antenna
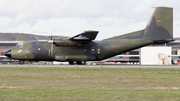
column 47, row 35
column 51, row 33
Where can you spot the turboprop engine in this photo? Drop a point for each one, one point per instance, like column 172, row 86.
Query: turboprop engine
column 65, row 42
column 77, row 40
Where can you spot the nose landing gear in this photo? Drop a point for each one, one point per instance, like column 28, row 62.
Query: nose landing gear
column 21, row 62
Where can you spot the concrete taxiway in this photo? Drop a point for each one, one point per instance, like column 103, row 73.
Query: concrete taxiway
column 106, row 66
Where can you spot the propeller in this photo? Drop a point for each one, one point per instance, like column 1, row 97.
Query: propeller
column 49, row 37
column 51, row 42
column 51, row 34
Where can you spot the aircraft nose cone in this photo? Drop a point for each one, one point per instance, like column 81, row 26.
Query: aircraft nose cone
column 8, row 53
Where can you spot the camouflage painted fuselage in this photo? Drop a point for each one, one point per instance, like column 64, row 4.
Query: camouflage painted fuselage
column 92, row 51
column 81, row 47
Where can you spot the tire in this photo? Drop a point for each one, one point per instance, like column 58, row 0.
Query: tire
column 77, row 62
column 21, row 62
column 81, row 62
column 72, row 62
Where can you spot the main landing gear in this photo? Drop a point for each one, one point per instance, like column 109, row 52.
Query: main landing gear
column 77, row 62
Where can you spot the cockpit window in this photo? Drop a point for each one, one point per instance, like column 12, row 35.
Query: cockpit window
column 19, row 45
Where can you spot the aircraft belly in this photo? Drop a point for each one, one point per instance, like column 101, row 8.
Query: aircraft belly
column 69, row 54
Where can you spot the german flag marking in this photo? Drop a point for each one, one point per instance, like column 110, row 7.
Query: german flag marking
column 159, row 20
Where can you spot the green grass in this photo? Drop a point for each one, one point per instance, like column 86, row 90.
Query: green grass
column 88, row 84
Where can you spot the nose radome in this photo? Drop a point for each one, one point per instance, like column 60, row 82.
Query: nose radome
column 8, row 53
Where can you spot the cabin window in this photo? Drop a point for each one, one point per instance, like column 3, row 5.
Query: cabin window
column 92, row 50
column 19, row 45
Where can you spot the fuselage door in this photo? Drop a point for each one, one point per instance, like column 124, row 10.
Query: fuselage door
column 98, row 51
column 51, row 51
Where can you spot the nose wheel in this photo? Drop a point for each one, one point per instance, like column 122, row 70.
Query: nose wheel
column 21, row 62
column 77, row 62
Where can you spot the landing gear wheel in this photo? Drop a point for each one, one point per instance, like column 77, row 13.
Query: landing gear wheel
column 21, row 62
column 72, row 62
column 81, row 62
column 77, row 62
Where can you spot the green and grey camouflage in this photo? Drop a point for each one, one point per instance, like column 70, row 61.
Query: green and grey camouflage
column 82, row 47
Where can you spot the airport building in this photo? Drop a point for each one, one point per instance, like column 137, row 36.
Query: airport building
column 159, row 54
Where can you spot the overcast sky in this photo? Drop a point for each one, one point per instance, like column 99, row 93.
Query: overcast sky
column 71, row 17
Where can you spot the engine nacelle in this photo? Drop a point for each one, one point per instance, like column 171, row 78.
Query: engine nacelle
column 64, row 42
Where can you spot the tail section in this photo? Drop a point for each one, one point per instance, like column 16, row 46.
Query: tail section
column 159, row 27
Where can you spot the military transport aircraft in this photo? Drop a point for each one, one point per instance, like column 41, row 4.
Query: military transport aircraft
column 82, row 48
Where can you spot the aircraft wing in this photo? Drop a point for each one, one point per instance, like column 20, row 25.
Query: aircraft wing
column 9, row 43
column 85, row 36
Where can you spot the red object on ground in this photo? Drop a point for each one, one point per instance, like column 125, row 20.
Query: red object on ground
column 178, row 62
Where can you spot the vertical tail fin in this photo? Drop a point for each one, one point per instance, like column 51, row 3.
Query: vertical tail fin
column 160, row 26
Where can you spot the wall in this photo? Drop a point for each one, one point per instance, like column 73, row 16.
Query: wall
column 155, row 55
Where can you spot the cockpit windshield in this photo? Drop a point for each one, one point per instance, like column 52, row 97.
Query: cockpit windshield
column 19, row 45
